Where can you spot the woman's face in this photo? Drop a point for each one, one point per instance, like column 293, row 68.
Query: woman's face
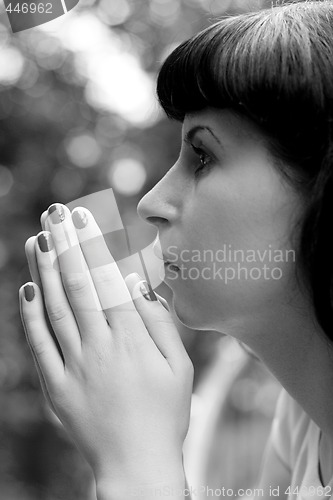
column 224, row 214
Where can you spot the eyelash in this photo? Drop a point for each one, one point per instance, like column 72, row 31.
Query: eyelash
column 202, row 156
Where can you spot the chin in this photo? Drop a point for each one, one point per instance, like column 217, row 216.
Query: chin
column 190, row 321
column 185, row 319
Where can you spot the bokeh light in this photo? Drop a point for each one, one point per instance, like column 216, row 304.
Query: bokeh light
column 83, row 150
column 115, row 78
column 11, row 64
column 127, row 176
column 115, row 12
column 164, row 11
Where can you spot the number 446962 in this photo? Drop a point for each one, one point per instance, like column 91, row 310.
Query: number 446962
column 31, row 8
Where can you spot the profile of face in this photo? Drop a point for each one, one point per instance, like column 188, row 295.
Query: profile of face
column 225, row 215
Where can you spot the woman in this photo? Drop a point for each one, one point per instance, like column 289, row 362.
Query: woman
column 243, row 217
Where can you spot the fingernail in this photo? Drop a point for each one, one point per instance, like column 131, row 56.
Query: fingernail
column 80, row 219
column 56, row 213
column 147, row 291
column 29, row 292
column 45, row 242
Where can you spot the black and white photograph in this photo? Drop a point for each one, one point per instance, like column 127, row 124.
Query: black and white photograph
column 166, row 255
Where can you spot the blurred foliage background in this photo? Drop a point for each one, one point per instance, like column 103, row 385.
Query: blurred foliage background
column 78, row 114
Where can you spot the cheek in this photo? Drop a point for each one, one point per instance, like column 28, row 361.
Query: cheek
column 245, row 261
column 245, row 218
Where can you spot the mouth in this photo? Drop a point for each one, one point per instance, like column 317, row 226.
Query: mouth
column 171, row 266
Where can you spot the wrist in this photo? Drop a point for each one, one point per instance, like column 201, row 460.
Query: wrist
column 170, row 488
column 143, row 482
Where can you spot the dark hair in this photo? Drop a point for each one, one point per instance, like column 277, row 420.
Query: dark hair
column 274, row 67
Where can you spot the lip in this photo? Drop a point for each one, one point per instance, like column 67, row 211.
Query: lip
column 171, row 266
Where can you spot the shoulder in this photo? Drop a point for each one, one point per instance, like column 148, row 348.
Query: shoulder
column 289, row 428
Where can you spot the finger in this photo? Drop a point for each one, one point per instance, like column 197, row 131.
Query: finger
column 39, row 372
column 163, row 301
column 111, row 288
column 75, row 276
column 158, row 322
column 34, row 271
column 39, row 337
column 40, row 376
column 58, row 309
column 32, row 260
column 43, row 218
column 42, row 383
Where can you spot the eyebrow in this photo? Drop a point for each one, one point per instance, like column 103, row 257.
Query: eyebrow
column 191, row 134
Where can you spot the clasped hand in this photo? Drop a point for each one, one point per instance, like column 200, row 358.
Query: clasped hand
column 111, row 363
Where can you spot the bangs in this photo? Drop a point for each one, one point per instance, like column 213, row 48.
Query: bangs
column 250, row 60
column 266, row 65
column 209, row 70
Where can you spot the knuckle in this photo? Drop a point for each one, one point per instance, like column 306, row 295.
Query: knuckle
column 45, row 264
column 39, row 349
column 77, row 284
column 57, row 313
column 102, row 277
column 58, row 393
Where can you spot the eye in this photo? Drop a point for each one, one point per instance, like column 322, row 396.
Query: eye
column 205, row 159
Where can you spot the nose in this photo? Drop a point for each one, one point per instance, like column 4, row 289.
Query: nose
column 161, row 205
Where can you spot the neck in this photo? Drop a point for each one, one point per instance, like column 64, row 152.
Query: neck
column 296, row 352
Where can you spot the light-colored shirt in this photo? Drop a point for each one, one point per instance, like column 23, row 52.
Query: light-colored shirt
column 296, row 441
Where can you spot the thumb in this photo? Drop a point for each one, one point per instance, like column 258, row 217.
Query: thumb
column 163, row 301
column 157, row 320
